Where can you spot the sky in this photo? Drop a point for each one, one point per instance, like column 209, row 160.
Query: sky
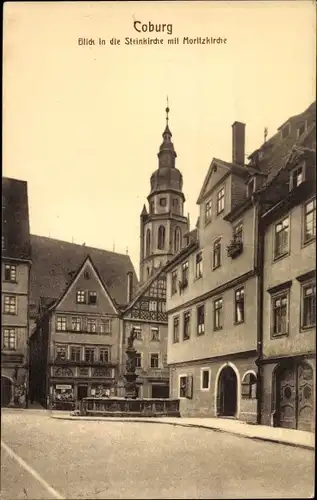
column 83, row 124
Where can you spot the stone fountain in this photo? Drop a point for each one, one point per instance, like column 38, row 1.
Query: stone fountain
column 130, row 405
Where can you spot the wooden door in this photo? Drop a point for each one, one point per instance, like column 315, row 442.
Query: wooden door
column 305, row 406
column 286, row 398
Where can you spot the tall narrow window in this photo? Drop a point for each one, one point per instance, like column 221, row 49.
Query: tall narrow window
column 161, row 237
column 296, row 177
column 75, row 353
column 174, row 282
column 309, row 305
column 148, row 243
column 199, row 265
column 176, row 330
column 91, row 325
column 105, row 327
column 185, row 274
column 186, row 331
column 104, row 355
column 216, row 258
column 154, row 360
column 138, row 360
column 155, row 334
column 10, row 304
column 218, row 314
column 177, row 240
column 281, row 238
column 239, row 305
column 208, row 211
column 81, row 297
column 61, row 352
column 61, row 323
column 220, row 200
column 10, row 272
column 92, row 298
column 76, row 324
column 238, row 233
column 201, row 320
column 89, row 354
column 9, row 339
column 310, row 221
column 280, row 314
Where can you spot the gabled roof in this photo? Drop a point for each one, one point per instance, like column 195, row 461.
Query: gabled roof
column 145, row 286
column 234, row 168
column 15, row 218
column 55, row 262
column 76, row 274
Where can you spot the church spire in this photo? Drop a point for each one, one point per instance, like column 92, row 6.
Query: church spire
column 167, row 153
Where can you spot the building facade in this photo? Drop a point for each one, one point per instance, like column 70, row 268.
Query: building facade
column 287, row 362
column 15, row 270
column 76, row 345
column 212, row 289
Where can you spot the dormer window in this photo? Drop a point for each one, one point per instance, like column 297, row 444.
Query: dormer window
column 301, row 129
column 286, row 130
column 250, row 187
column 296, row 177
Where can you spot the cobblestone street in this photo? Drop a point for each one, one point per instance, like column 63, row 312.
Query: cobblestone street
column 73, row 459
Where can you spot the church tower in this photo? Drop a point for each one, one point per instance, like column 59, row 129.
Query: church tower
column 163, row 225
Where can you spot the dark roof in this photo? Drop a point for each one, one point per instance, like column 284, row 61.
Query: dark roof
column 143, row 287
column 15, row 217
column 55, row 262
column 280, row 148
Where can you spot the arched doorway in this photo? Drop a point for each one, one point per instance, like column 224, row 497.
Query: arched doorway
column 227, row 393
column 294, row 396
column 6, row 391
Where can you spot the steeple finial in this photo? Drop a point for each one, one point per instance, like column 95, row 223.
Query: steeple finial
column 167, row 109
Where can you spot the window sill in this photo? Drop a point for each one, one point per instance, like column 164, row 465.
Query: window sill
column 280, row 257
column 218, row 329
column 216, row 267
column 307, row 328
column 10, row 313
column 238, row 322
column 200, row 334
column 308, row 242
column 278, row 335
column 198, row 277
column 221, row 211
column 186, row 338
column 11, row 281
column 205, row 390
column 207, row 222
column 175, row 341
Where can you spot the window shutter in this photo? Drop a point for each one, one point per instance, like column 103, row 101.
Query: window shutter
column 189, row 387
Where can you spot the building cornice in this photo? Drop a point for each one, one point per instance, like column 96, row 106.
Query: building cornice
column 232, row 355
column 284, row 357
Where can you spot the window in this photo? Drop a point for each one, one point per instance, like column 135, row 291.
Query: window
column 75, row 353
column 182, row 386
column 104, row 355
column 153, row 305
column 309, row 305
column 105, row 327
column 148, row 243
column 201, row 320
column 186, row 331
column 10, row 272
column 61, row 324
column 238, row 232
column 76, row 324
column 286, row 131
column 161, row 238
column 152, row 207
column 138, row 331
column 161, row 307
column 218, row 306
column 310, row 221
column 250, row 187
column 10, row 304
column 185, row 274
column 9, row 339
column 301, row 129
column 175, row 202
column 177, row 239
column 91, row 325
column 61, row 352
column 154, row 360
column 138, row 360
column 92, row 297
column 280, row 314
column 248, row 386
column 163, row 202
column 208, row 211
column 205, row 379
column 176, row 330
column 199, row 265
column 81, row 297
column 155, row 332
column 174, row 282
column 216, row 256
column 296, row 177
column 239, row 305
column 89, row 354
column 281, row 238
column 220, row 200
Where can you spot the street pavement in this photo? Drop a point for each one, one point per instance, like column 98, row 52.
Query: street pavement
column 46, row 458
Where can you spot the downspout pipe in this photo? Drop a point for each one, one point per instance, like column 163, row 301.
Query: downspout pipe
column 259, row 269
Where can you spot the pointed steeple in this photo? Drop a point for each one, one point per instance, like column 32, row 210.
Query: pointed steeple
column 167, row 153
column 144, row 211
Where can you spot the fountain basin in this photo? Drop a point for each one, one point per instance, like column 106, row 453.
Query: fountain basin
column 128, row 407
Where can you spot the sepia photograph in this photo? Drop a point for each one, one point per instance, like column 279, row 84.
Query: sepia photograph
column 158, row 291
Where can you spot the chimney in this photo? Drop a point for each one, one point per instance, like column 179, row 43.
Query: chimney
column 238, row 143
column 130, row 286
